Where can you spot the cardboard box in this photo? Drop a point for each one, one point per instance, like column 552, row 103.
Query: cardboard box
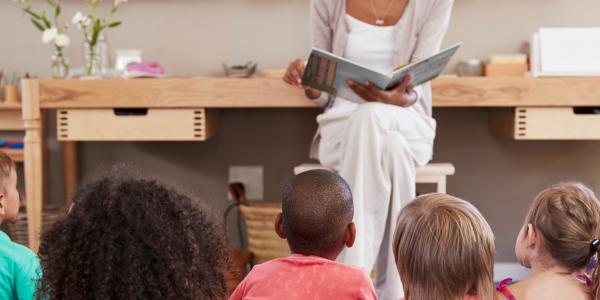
column 514, row 70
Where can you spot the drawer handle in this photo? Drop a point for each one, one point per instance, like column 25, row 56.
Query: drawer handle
column 586, row 110
column 130, row 112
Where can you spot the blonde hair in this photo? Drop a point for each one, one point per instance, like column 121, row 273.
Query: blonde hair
column 444, row 249
column 6, row 166
column 567, row 216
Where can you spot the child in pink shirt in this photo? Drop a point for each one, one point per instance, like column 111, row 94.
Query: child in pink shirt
column 317, row 223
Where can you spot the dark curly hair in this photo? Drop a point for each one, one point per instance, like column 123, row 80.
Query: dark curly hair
column 126, row 237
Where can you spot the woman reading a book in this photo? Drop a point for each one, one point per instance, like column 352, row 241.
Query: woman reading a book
column 376, row 145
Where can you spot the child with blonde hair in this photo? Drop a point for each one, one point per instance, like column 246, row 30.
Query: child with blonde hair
column 444, row 249
column 559, row 243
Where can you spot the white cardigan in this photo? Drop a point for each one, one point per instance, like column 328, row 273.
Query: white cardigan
column 420, row 31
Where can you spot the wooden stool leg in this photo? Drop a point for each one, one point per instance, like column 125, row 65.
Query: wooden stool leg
column 441, row 184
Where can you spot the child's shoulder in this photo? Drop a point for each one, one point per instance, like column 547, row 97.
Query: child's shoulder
column 549, row 286
column 299, row 263
column 16, row 253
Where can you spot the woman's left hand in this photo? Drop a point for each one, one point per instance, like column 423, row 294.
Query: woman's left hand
column 401, row 95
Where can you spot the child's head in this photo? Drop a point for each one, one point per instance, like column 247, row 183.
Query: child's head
column 560, row 227
column 444, row 249
column 132, row 238
column 9, row 195
column 317, row 214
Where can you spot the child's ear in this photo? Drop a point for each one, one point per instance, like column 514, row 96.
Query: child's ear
column 531, row 236
column 350, row 235
column 279, row 226
column 2, row 197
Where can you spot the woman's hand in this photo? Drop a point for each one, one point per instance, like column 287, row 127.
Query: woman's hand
column 401, row 95
column 293, row 76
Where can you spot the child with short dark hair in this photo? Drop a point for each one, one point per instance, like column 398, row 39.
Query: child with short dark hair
column 317, row 223
column 19, row 266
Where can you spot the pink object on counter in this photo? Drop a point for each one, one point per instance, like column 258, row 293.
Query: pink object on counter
column 153, row 68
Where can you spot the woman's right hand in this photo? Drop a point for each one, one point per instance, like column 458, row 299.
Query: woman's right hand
column 293, row 76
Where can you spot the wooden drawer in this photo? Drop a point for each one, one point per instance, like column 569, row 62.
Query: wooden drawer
column 136, row 124
column 11, row 120
column 547, row 123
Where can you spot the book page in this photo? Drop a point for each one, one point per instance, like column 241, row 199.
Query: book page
column 329, row 73
column 424, row 70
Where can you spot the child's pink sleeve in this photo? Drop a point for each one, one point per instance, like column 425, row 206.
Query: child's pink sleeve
column 239, row 292
column 366, row 290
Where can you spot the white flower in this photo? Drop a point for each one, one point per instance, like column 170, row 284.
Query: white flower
column 81, row 20
column 77, row 18
column 49, row 35
column 62, row 40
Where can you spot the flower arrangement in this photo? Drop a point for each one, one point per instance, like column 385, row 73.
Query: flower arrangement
column 53, row 31
column 92, row 24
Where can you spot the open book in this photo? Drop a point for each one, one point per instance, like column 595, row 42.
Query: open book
column 329, row 73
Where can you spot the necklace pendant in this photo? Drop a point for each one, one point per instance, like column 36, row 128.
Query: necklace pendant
column 379, row 21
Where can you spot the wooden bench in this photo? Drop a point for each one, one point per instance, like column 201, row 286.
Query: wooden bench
column 432, row 173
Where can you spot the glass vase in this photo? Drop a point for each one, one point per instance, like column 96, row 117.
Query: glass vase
column 59, row 64
column 96, row 57
column 91, row 58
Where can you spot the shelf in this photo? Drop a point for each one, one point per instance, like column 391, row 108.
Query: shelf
column 11, row 119
column 16, row 155
column 10, row 106
column 516, row 91
column 264, row 92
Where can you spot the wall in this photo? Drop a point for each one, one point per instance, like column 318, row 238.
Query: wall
column 193, row 37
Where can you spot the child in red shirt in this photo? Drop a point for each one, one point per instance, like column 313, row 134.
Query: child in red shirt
column 317, row 223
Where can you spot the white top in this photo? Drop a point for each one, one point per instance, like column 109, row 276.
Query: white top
column 368, row 45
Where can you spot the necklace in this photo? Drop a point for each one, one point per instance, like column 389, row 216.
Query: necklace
column 380, row 21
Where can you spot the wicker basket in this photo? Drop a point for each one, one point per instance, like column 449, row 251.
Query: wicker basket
column 263, row 241
column 18, row 229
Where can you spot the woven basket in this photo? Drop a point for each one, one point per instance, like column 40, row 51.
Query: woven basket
column 263, row 241
column 18, row 229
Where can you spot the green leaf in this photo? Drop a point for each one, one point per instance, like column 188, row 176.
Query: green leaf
column 114, row 24
column 95, row 32
column 32, row 14
column 57, row 11
column 46, row 22
column 114, row 9
column 37, row 25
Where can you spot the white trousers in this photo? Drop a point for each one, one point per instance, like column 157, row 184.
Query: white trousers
column 375, row 148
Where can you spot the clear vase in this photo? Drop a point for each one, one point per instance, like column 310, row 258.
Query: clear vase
column 60, row 64
column 91, row 58
column 96, row 57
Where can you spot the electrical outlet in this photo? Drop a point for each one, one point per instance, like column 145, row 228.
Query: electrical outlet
column 251, row 177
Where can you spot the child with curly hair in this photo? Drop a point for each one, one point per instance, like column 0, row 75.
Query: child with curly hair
column 133, row 238
column 19, row 267
column 559, row 242
column 317, row 223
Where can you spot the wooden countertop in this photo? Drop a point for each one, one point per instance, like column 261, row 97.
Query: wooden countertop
column 264, row 92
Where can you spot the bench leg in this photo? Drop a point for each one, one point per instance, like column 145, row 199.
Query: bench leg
column 441, row 184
